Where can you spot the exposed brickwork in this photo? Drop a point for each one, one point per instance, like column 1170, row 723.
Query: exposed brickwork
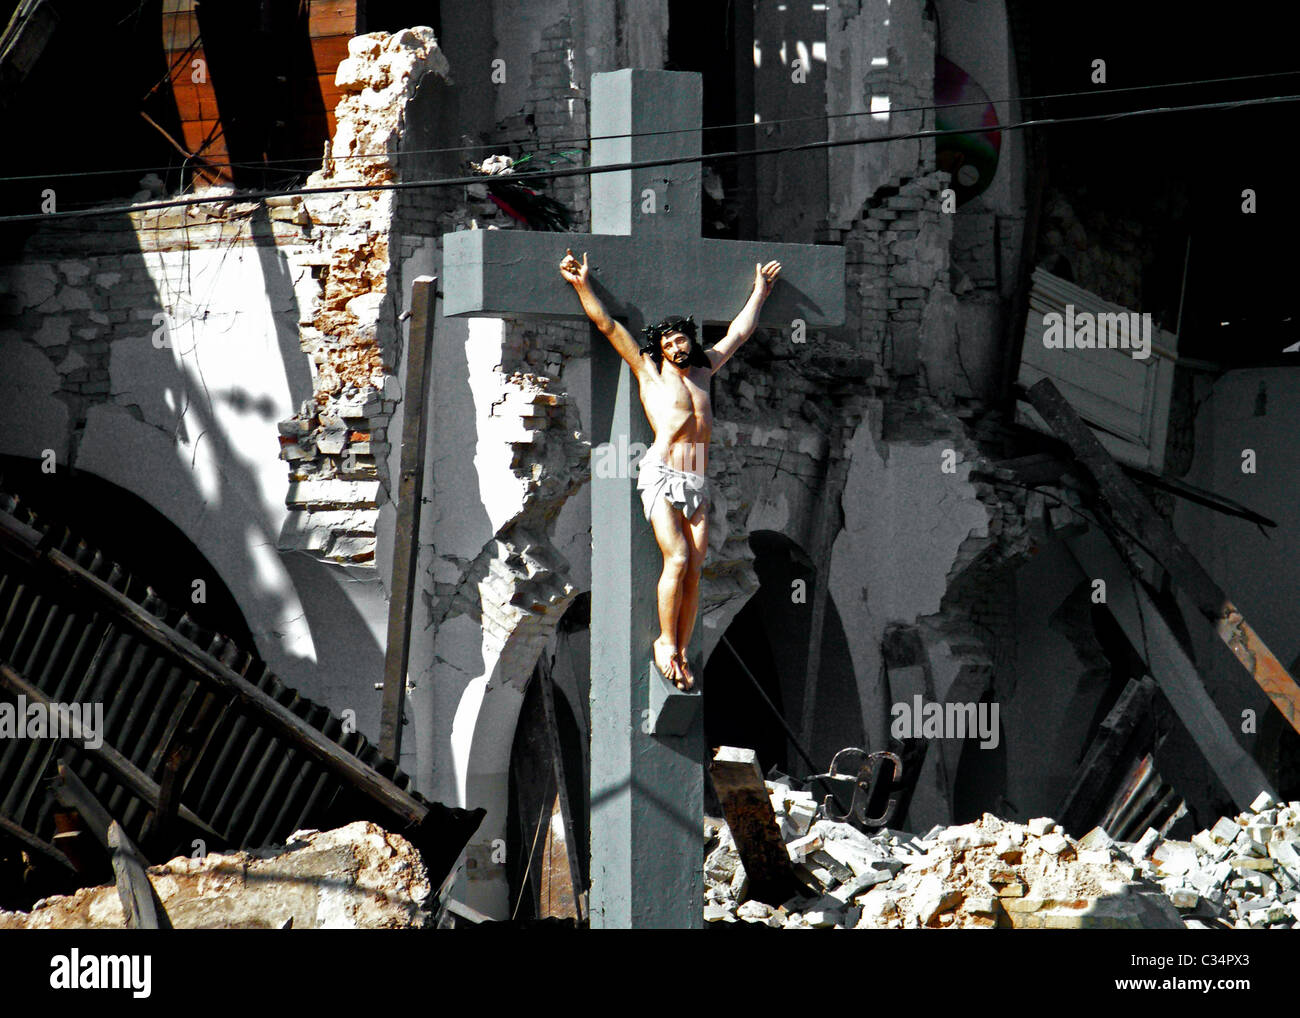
column 337, row 444
column 86, row 284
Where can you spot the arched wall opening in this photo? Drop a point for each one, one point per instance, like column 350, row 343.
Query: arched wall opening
column 135, row 534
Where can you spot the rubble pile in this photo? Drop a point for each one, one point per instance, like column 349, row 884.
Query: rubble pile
column 1245, row 870
column 1001, row 874
column 354, row 877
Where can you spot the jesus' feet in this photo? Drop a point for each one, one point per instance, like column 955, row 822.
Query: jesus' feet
column 665, row 655
column 687, row 681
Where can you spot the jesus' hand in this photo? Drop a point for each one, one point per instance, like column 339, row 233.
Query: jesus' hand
column 573, row 270
column 765, row 277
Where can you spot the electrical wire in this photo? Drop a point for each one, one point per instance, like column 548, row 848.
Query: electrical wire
column 312, row 161
column 541, row 815
column 252, row 196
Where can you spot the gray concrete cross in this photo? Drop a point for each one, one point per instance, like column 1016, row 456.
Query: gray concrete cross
column 646, row 789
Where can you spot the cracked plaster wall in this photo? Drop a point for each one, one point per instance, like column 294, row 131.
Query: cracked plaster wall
column 189, row 426
column 271, row 308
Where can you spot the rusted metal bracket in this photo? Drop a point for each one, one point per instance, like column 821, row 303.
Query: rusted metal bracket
column 863, row 781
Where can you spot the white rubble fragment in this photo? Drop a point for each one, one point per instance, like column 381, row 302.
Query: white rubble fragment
column 1142, row 849
column 1224, row 831
column 1055, row 843
column 1263, row 801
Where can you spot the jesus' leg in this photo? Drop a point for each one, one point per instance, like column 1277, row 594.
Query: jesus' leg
column 697, row 539
column 670, row 533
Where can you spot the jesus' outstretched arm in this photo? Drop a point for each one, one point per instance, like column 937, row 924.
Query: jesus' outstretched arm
column 576, row 272
column 743, row 325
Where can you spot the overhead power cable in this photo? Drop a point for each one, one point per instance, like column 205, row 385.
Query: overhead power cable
column 313, row 161
column 251, row 196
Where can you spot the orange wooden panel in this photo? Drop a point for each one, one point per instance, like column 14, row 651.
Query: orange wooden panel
column 195, row 102
column 329, row 52
column 335, row 17
column 197, row 130
column 179, row 30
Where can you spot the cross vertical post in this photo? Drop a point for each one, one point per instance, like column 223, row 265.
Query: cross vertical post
column 647, row 790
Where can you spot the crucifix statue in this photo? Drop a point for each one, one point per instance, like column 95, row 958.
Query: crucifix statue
column 647, row 781
column 672, row 371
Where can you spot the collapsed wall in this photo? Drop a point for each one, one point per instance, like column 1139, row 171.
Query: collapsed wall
column 338, row 443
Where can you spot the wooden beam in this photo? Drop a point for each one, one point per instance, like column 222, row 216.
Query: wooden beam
column 123, row 769
column 24, row 39
column 1151, row 635
column 748, row 808
column 73, row 793
column 406, row 539
column 203, row 666
column 1136, row 515
column 547, row 690
column 169, row 791
column 827, row 527
column 1114, row 745
column 144, row 911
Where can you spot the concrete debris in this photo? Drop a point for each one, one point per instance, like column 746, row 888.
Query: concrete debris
column 1243, row 872
column 355, row 877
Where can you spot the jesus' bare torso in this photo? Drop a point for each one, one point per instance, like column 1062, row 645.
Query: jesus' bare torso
column 677, row 405
column 673, row 377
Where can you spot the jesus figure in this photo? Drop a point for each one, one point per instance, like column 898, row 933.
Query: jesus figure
column 672, row 372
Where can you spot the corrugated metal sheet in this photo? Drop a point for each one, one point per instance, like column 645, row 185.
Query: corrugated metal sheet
column 249, row 784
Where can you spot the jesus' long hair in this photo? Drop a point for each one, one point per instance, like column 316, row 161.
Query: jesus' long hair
column 653, row 336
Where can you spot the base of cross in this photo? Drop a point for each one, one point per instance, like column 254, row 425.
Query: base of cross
column 671, row 709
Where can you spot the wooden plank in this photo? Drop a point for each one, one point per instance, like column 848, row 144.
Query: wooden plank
column 73, row 793
column 329, row 51
column 410, row 488
column 195, row 102
column 1104, row 368
column 1108, row 413
column 335, row 17
column 1114, row 745
column 330, row 93
column 279, row 719
column 1151, row 635
column 123, row 769
column 826, row 527
column 748, row 809
column 169, row 793
column 1133, row 512
column 547, row 689
column 179, row 28
column 140, row 901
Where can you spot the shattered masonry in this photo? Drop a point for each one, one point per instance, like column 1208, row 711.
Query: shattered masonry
column 337, row 445
column 353, row 878
column 1242, row 872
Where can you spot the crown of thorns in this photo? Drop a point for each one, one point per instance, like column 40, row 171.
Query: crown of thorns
column 654, row 333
